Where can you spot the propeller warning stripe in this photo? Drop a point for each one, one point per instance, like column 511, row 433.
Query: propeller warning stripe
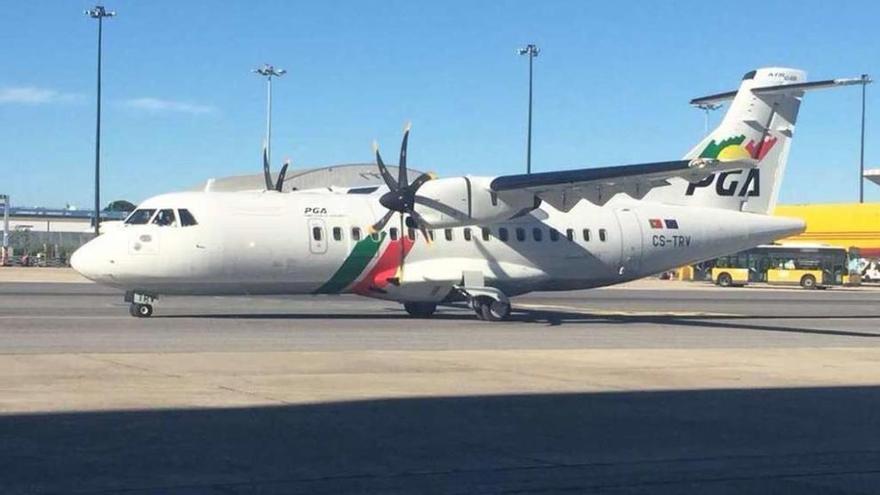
column 357, row 260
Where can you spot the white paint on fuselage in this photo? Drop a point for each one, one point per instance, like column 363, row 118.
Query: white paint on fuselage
column 261, row 243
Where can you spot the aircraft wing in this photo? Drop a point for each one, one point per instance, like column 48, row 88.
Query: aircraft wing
column 564, row 189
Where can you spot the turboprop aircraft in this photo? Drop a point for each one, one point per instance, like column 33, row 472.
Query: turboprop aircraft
column 474, row 239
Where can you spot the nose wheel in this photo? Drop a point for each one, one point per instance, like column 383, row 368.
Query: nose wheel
column 141, row 304
column 140, row 310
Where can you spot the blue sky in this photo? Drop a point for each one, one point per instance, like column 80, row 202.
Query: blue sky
column 612, row 86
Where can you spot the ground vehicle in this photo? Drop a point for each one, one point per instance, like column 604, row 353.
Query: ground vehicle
column 809, row 266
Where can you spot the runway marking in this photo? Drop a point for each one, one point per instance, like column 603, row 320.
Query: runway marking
column 606, row 312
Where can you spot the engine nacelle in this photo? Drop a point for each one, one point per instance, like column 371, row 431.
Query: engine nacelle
column 461, row 201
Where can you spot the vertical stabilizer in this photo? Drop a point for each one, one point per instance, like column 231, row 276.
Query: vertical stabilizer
column 759, row 125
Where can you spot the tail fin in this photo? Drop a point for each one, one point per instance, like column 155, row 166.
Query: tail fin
column 759, row 124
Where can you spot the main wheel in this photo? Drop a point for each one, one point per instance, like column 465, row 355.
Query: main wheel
column 808, row 282
column 725, row 280
column 140, row 310
column 491, row 310
column 420, row 309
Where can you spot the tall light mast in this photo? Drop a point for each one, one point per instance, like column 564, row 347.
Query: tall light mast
column 98, row 13
column 269, row 71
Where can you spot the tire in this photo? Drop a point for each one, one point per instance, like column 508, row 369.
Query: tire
column 491, row 310
column 420, row 309
column 140, row 310
column 725, row 280
column 808, row 282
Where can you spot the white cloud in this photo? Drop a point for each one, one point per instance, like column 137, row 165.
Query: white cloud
column 157, row 105
column 34, row 96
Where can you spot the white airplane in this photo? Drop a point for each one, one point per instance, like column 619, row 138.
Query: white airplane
column 475, row 239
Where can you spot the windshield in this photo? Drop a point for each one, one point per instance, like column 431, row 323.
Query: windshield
column 140, row 216
column 165, row 218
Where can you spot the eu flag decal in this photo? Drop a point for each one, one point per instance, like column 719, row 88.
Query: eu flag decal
column 671, row 223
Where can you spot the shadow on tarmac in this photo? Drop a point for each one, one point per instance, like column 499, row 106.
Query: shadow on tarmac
column 808, row 440
column 557, row 318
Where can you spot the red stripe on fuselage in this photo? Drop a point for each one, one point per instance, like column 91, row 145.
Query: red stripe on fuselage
column 385, row 267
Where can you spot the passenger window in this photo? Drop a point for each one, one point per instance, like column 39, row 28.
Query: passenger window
column 431, row 235
column 411, row 233
column 520, row 234
column 140, row 216
column 569, row 234
column 602, row 235
column 337, row 234
column 536, row 233
column 502, row 234
column 554, row 235
column 467, row 233
column 394, row 233
column 486, row 233
column 586, row 235
column 448, row 234
column 317, row 233
column 355, row 233
column 165, row 218
column 186, row 218
column 374, row 236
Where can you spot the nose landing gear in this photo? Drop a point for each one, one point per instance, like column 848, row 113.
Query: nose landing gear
column 140, row 310
column 141, row 304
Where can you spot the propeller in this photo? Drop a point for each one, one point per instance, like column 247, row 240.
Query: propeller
column 281, row 174
column 401, row 199
column 268, row 176
column 401, row 195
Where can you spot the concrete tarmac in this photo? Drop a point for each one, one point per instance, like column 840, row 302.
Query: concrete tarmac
column 643, row 389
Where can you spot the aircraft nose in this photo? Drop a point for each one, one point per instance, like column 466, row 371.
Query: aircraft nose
column 85, row 260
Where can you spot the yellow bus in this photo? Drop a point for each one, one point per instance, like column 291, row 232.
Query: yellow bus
column 810, row 266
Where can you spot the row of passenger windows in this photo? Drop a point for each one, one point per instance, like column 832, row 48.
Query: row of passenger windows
column 500, row 233
column 165, row 217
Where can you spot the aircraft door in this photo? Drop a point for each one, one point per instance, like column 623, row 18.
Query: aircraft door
column 630, row 242
column 317, row 236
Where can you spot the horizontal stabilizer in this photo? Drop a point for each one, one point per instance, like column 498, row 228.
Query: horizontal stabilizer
column 781, row 88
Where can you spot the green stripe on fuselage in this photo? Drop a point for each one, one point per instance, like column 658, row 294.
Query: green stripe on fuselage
column 351, row 268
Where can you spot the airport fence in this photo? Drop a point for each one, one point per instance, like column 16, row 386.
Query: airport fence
column 45, row 248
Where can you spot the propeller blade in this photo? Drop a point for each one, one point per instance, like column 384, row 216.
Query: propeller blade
column 403, row 237
column 281, row 175
column 421, row 224
column 266, row 174
column 376, row 227
column 420, row 181
column 402, row 178
column 386, row 175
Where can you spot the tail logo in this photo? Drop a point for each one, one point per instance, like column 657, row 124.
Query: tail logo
column 727, row 183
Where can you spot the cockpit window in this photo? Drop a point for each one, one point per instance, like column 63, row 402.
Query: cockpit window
column 140, row 217
column 165, row 218
column 186, row 218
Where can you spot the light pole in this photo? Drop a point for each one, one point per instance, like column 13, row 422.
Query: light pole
column 532, row 52
column 269, row 71
column 98, row 13
column 3, row 254
column 864, row 81
column 708, row 107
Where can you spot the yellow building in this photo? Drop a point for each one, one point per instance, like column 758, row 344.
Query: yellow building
column 840, row 224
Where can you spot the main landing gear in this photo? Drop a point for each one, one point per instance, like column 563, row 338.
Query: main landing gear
column 420, row 309
column 489, row 309
column 141, row 304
